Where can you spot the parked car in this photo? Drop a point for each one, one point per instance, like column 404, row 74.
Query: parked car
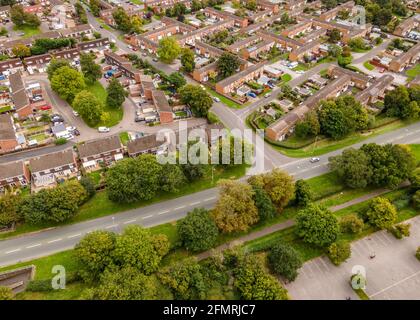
column 101, row 26
column 267, row 95
column 155, row 59
column 46, row 108
column 103, row 129
column 252, row 95
column 216, row 99
column 313, row 160
column 56, row 118
column 70, row 129
column 75, row 113
column 76, row 132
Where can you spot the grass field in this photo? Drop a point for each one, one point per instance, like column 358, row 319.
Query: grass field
column 115, row 115
column 286, row 78
column 368, row 66
column 124, row 138
column 413, row 72
column 225, row 100
column 28, row 30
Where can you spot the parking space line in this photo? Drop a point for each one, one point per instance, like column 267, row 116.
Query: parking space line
column 111, row 226
column 395, row 284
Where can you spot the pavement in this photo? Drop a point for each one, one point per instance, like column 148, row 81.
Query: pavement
column 393, row 274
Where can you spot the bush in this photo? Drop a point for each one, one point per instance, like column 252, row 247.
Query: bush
column 339, row 252
column 285, row 261
column 416, row 199
column 89, row 186
column 401, row 230
column 60, row 141
column 351, row 224
column 418, row 253
column 6, row 293
column 39, row 285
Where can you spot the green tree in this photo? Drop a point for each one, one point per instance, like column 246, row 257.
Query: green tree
column 284, row 260
column 193, row 172
column 396, row 103
column 416, row 199
column 303, row 193
column 339, row 252
column 90, row 69
column 265, row 207
column 9, row 209
column 351, row 224
column 235, row 210
column 187, row 59
column 6, row 293
column 67, row 82
column 381, row 213
column 88, row 106
column 136, row 179
column 89, row 185
column 168, row 49
column 254, row 283
column 122, row 20
column 125, row 283
column 177, row 79
column 309, row 126
column 317, row 225
column 251, row 5
column 94, row 254
column 116, row 94
column 227, row 64
column 21, row 51
column 56, row 64
column 20, row 18
column 95, row 7
column 334, row 36
column 137, row 247
column 198, row 231
column 196, row 98
column 172, row 178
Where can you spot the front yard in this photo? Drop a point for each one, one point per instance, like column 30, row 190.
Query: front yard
column 413, row 72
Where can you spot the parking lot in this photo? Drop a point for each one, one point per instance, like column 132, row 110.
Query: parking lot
column 394, row 273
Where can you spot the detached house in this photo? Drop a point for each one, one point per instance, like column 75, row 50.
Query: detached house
column 94, row 154
column 47, row 169
column 13, row 174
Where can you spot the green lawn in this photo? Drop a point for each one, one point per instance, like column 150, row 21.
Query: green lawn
column 103, row 24
column 368, row 66
column 286, row 78
column 224, row 100
column 301, row 66
column 416, row 150
column 124, row 137
column 39, row 137
column 115, row 115
column 5, row 109
column 413, row 72
column 28, row 30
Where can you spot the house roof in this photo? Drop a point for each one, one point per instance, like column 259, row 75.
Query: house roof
column 79, row 28
column 375, row 88
column 160, row 101
column 11, row 169
column 52, row 160
column 7, row 131
column 95, row 147
column 143, row 144
column 239, row 75
column 20, row 99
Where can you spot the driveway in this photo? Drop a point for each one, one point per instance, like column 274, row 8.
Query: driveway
column 393, row 274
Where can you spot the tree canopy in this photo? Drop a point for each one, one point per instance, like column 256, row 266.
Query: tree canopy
column 116, row 94
column 67, row 82
column 91, row 71
column 227, row 64
column 88, row 106
column 196, row 98
column 382, row 213
column 168, row 49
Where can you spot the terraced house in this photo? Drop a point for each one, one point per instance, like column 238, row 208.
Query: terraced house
column 13, row 175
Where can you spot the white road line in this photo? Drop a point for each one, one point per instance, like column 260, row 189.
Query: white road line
column 195, row 203
column 74, row 235
column 209, row 199
column 395, row 284
column 147, row 217
column 129, row 221
column 181, row 207
column 163, row 212
column 55, row 240
column 33, row 246
column 111, row 226
column 11, row 251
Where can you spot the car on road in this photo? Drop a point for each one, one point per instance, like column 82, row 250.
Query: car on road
column 129, row 46
column 267, row 95
column 44, row 108
column 76, row 132
column 75, row 113
column 314, row 159
column 103, row 129
column 71, row 129
column 101, row 26
column 216, row 99
column 56, row 118
column 300, row 71
column 155, row 59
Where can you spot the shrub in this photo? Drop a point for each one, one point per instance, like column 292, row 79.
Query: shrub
column 284, row 260
column 401, row 230
column 382, row 213
column 418, row 253
column 351, row 224
column 6, row 293
column 416, row 199
column 339, row 252
column 39, row 285
column 60, row 141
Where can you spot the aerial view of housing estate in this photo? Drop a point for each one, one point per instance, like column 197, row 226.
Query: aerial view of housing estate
column 209, row 150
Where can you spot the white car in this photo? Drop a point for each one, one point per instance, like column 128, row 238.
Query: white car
column 267, row 95
column 216, row 99
column 103, row 129
column 313, row 160
column 71, row 129
column 75, row 113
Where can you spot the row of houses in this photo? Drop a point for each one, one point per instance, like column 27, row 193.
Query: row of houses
column 342, row 79
column 47, row 170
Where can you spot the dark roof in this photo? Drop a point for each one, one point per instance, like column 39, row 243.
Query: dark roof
column 241, row 74
column 11, row 169
column 16, row 82
column 20, row 99
column 95, row 147
column 143, row 144
column 7, row 131
column 52, row 160
column 160, row 101
column 79, row 28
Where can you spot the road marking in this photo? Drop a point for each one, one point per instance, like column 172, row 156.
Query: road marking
column 209, row 199
column 11, row 251
column 33, row 246
column 147, row 217
column 181, row 207
column 163, row 212
column 55, row 240
column 194, row 203
column 129, row 221
column 74, row 235
column 395, row 284
column 111, row 226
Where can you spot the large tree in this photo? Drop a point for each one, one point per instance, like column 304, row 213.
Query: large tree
column 303, row 193
column 172, row 178
column 20, row 18
column 122, row 20
column 168, row 49
column 265, row 207
column 9, row 209
column 235, row 210
column 95, row 7
column 196, row 98
column 88, row 106
column 90, row 69
column 6, row 293
column 317, row 225
column 177, row 79
column 67, row 82
column 397, row 103
column 21, row 51
column 188, row 59
column 94, row 254
column 56, row 64
column 284, row 260
column 137, row 247
column 198, row 231
column 136, row 179
column 115, row 94
column 381, row 213
column 227, row 64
